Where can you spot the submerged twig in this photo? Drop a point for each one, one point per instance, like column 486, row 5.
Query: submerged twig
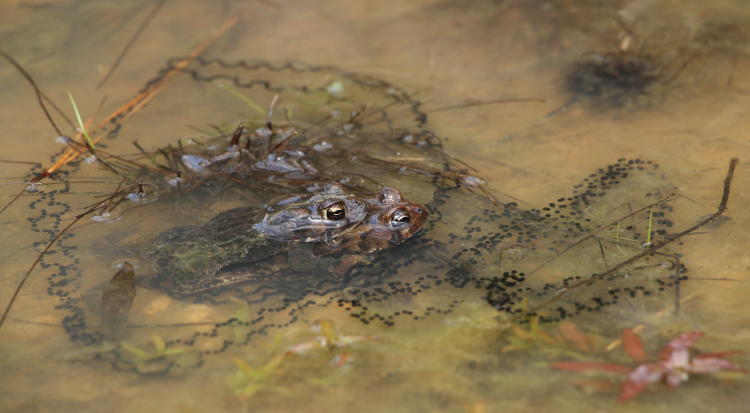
column 593, row 233
column 485, row 103
column 34, row 264
column 122, row 113
column 40, row 96
column 22, row 162
column 132, row 41
column 652, row 249
column 97, row 327
column 98, row 206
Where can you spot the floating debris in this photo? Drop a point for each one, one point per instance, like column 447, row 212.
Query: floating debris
column 116, row 301
column 336, row 88
column 33, row 187
column 109, row 215
column 322, row 146
column 472, row 181
column 195, row 163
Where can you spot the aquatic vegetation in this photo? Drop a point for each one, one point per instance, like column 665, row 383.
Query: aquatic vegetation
column 248, row 380
column 674, row 365
column 531, row 338
column 81, row 126
column 157, row 359
column 329, row 338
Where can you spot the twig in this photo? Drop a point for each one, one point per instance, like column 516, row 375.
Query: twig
column 124, row 112
column 57, row 325
column 38, row 258
column 592, row 235
column 40, row 96
column 484, row 103
column 659, row 245
column 23, row 162
column 132, row 41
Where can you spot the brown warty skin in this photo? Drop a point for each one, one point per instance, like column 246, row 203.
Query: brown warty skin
column 244, row 243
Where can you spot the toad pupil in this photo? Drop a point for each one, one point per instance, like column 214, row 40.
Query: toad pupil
column 336, row 212
column 400, row 217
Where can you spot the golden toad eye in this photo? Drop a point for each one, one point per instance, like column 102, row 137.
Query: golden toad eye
column 400, row 218
column 335, row 212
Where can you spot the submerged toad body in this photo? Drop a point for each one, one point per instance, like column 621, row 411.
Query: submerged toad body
column 329, row 228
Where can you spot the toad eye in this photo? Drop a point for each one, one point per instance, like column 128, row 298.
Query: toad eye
column 400, row 218
column 335, row 212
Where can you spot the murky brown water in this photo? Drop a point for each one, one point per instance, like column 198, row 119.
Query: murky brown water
column 691, row 122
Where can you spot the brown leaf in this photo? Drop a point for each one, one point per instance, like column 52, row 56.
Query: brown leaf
column 595, row 385
column 581, row 366
column 571, row 332
column 633, row 345
column 116, row 301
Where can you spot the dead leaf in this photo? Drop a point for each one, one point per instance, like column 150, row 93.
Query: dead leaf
column 595, row 385
column 571, row 332
column 581, row 366
column 116, row 301
column 633, row 345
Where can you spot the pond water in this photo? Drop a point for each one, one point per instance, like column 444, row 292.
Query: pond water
column 440, row 322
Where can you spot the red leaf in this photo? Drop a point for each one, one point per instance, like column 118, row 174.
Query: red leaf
column 630, row 389
column 633, row 345
column 638, row 379
column 580, row 367
column 710, row 365
column 718, row 355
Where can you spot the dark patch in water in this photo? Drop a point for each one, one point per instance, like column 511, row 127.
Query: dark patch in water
column 612, row 80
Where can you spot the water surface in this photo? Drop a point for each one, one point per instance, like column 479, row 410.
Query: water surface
column 690, row 122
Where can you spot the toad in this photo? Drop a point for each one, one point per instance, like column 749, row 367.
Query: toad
column 328, row 228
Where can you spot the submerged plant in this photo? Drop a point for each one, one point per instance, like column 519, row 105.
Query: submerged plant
column 673, row 367
column 248, row 380
column 157, row 359
column 568, row 340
